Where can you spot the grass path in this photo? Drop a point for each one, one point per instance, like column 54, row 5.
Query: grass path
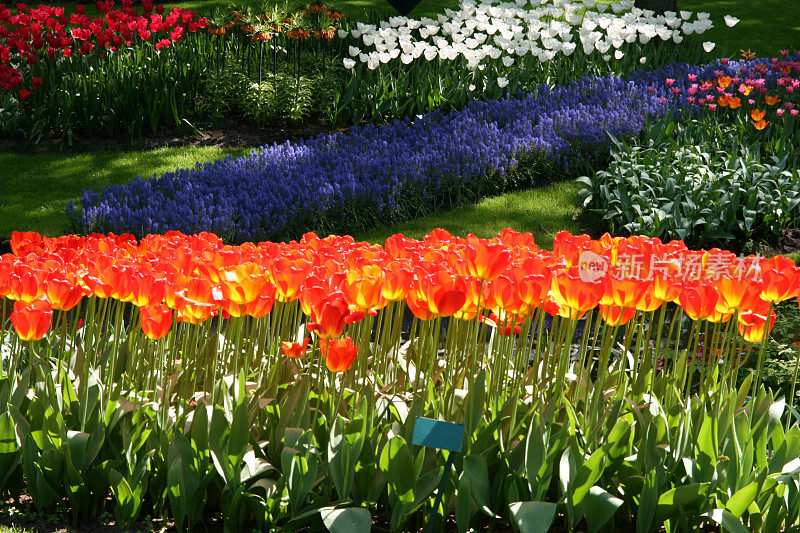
column 35, row 189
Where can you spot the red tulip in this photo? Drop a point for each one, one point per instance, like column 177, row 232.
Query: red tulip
column 156, row 320
column 615, row 315
column 339, row 353
column 781, row 279
column 31, row 320
column 698, row 300
column 295, row 350
column 329, row 315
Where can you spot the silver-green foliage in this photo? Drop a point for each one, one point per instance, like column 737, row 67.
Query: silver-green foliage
column 705, row 192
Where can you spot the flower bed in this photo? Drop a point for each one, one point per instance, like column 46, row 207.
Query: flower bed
column 376, row 172
column 726, row 170
column 218, row 401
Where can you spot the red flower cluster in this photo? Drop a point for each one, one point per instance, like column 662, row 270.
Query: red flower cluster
column 338, row 281
column 28, row 34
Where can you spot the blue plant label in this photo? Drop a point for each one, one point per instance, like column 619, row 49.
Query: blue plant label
column 438, row 434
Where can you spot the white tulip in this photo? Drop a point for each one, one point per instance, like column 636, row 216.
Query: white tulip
column 619, row 54
column 642, row 60
column 730, row 21
column 677, row 38
column 688, row 28
column 471, row 88
column 368, row 39
column 372, row 64
column 348, row 63
column 708, row 46
column 343, row 34
column 406, row 59
column 607, row 58
column 353, row 51
column 508, row 61
column 502, row 82
column 616, row 7
column 686, row 15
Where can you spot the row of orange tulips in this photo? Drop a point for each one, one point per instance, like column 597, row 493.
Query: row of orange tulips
column 338, row 281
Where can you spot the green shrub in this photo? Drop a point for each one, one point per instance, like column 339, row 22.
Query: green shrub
column 708, row 191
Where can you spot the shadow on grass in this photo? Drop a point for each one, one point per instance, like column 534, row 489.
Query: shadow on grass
column 35, row 189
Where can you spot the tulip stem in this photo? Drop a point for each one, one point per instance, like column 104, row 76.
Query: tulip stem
column 762, row 350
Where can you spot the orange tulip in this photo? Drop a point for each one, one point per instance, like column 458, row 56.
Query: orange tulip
column 781, row 279
column 735, row 102
column 241, row 284
column 329, row 314
column 698, row 300
column 757, row 115
column 62, row 294
column 738, row 293
column 436, row 294
column 147, row 290
column 288, row 279
column 752, row 324
column 25, row 286
column 625, row 292
column 396, row 279
column 615, row 315
column 339, row 353
column 25, row 242
column 156, row 320
column 666, row 288
column 760, row 125
column 484, row 260
column 504, row 290
column 364, row 287
column 772, row 100
column 723, row 101
column 262, row 305
column 296, row 350
column 504, row 326
column 724, row 81
column 31, row 320
column 569, row 290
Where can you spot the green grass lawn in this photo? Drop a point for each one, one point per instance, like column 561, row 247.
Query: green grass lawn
column 34, row 189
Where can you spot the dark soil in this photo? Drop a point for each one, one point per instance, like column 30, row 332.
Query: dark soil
column 234, row 134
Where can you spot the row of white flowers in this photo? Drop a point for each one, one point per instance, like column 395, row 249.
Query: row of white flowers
column 541, row 28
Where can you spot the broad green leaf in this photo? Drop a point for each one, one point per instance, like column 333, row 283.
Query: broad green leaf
column 478, row 473
column 741, row 500
column 397, row 467
column 599, row 507
column 346, row 520
column 725, row 519
column 532, row 517
column 587, row 475
column 464, row 506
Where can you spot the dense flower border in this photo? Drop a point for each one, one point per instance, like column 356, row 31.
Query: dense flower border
column 280, row 191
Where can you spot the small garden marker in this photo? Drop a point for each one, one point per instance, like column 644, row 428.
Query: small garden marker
column 442, row 435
